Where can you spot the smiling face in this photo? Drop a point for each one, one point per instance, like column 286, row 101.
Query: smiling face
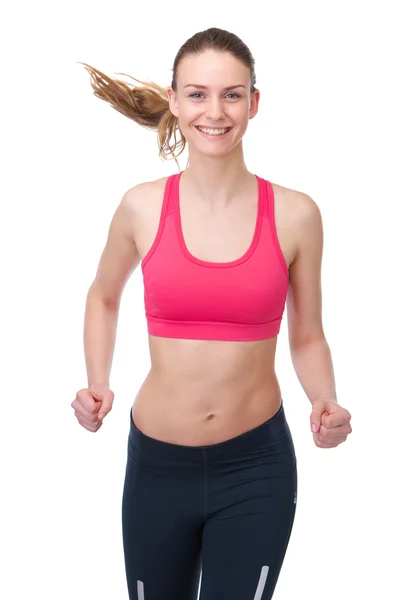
column 213, row 92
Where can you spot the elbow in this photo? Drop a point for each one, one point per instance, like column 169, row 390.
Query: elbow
column 302, row 339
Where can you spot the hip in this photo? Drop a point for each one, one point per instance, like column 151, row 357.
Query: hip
column 271, row 436
column 257, row 468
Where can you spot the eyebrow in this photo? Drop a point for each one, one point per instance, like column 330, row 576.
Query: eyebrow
column 204, row 87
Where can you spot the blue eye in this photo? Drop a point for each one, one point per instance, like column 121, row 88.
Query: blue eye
column 199, row 94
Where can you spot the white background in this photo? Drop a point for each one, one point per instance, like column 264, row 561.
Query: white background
column 336, row 121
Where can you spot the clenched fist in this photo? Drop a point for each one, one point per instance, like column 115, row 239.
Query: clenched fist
column 92, row 404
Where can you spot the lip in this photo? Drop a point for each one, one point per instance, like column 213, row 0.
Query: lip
column 207, row 135
column 209, row 127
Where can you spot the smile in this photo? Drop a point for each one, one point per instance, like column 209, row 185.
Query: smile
column 210, row 132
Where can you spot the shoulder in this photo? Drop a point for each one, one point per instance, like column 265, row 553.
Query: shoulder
column 142, row 190
column 301, row 215
column 299, row 206
column 144, row 195
column 300, row 202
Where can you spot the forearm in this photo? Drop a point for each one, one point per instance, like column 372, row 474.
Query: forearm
column 100, row 327
column 312, row 362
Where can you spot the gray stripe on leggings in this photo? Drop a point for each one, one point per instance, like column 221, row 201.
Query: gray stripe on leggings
column 258, row 595
column 140, row 589
column 262, row 583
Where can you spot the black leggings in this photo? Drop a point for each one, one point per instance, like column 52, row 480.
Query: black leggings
column 227, row 507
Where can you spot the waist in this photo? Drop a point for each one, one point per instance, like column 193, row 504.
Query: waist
column 198, row 414
column 271, row 434
column 177, row 362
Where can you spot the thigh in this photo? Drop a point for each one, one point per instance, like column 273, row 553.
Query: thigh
column 161, row 530
column 245, row 540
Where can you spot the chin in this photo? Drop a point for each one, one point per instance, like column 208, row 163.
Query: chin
column 205, row 150
column 212, row 153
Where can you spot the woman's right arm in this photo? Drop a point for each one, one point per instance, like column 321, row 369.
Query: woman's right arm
column 119, row 259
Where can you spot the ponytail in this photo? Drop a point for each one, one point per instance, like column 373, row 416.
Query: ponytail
column 147, row 105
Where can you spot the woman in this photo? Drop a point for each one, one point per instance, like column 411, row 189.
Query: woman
column 211, row 475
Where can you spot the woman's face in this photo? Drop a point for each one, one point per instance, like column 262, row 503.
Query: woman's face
column 203, row 100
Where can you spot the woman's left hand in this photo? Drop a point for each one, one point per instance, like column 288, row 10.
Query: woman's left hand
column 332, row 423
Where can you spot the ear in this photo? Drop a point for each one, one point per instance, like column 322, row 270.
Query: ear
column 173, row 101
column 254, row 103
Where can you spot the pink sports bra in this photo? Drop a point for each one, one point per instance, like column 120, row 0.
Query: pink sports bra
column 241, row 300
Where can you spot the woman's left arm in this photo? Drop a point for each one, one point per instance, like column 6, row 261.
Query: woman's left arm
column 310, row 352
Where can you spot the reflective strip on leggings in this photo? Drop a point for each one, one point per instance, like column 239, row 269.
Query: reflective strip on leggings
column 258, row 595
column 262, row 583
column 140, row 589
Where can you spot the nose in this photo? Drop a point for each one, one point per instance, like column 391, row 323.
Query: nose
column 214, row 110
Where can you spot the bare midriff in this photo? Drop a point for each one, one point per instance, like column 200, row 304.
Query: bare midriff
column 202, row 392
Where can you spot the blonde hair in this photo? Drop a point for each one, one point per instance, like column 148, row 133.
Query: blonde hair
column 148, row 104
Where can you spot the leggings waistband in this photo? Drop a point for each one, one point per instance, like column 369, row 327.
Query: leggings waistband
column 263, row 435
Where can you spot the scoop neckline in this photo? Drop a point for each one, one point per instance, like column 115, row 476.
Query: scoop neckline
column 208, row 263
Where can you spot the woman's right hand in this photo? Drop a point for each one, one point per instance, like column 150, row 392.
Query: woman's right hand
column 92, row 404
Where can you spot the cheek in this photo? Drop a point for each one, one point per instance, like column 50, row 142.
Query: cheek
column 185, row 124
column 188, row 114
column 243, row 112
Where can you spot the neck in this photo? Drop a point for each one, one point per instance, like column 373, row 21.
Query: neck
column 218, row 181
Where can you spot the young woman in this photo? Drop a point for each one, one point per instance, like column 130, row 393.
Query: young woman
column 211, row 475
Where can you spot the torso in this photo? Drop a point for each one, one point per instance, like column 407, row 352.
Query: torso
column 202, row 392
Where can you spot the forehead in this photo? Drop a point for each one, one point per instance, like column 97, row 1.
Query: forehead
column 213, row 69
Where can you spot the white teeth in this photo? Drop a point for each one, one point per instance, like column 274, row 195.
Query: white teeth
column 213, row 131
